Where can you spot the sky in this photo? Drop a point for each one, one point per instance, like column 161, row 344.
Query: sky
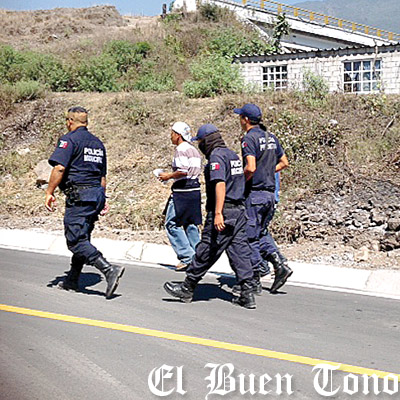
column 125, row 7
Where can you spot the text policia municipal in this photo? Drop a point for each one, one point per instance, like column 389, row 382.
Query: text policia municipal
column 166, row 380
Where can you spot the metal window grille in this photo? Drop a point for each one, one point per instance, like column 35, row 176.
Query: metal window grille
column 362, row 76
column 275, row 77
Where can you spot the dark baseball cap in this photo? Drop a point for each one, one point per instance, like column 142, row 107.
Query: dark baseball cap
column 204, row 130
column 250, row 111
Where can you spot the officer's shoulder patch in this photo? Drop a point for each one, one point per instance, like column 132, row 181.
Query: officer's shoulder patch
column 214, row 166
column 63, row 144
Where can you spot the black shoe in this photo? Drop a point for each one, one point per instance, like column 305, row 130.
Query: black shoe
column 281, row 276
column 180, row 290
column 246, row 298
column 111, row 272
column 68, row 285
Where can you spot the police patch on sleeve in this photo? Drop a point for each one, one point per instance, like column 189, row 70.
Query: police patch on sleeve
column 215, row 166
column 63, row 144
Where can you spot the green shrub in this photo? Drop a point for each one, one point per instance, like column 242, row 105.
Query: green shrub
column 305, row 141
column 6, row 101
column 28, row 90
column 230, row 42
column 8, row 59
column 315, row 89
column 151, row 81
column 97, row 74
column 31, row 66
column 127, row 54
column 213, row 75
column 172, row 18
column 211, row 12
column 45, row 69
column 176, row 46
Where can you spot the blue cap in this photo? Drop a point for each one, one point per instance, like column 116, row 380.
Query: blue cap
column 251, row 111
column 205, row 130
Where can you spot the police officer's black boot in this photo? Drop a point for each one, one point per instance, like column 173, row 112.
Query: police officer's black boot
column 283, row 258
column 182, row 290
column 111, row 272
column 246, row 298
column 72, row 278
column 282, row 271
column 257, row 283
column 264, row 268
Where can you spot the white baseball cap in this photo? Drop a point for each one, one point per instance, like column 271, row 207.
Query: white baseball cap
column 183, row 129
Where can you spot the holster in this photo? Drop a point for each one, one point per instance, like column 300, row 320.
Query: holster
column 71, row 192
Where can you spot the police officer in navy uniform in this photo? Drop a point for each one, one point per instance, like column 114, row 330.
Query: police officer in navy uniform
column 225, row 225
column 263, row 156
column 79, row 170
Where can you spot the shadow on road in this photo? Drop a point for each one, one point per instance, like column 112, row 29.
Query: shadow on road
column 206, row 292
column 86, row 280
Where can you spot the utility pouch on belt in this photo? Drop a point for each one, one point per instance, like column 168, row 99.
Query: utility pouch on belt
column 71, row 192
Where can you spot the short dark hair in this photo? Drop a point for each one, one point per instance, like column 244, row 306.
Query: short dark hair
column 78, row 109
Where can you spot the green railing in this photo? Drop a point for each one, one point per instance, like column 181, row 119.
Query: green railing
column 291, row 11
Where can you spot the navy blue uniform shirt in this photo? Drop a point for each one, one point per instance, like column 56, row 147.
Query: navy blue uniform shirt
column 224, row 165
column 255, row 143
column 84, row 157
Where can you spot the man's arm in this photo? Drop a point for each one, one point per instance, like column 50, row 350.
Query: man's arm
column 250, row 168
column 56, row 176
column 220, row 191
column 282, row 164
column 165, row 176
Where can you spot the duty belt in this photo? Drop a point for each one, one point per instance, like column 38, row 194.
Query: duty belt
column 229, row 205
column 86, row 186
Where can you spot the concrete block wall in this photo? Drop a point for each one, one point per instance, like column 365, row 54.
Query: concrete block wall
column 391, row 72
column 329, row 66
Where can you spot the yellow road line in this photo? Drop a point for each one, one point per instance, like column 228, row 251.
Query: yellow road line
column 194, row 340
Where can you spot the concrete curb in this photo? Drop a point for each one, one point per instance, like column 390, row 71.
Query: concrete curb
column 384, row 283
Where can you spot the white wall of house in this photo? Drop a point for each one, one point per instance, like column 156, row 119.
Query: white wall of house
column 327, row 64
column 189, row 4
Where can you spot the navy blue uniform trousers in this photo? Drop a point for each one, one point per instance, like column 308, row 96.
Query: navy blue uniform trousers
column 260, row 208
column 233, row 240
column 79, row 220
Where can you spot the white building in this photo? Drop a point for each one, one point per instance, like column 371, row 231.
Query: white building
column 361, row 69
column 189, row 5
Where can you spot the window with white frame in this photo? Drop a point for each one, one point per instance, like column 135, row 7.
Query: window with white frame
column 362, row 76
column 275, row 77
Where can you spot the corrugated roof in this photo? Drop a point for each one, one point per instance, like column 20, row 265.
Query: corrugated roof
column 286, row 51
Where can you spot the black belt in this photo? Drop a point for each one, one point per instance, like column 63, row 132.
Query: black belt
column 270, row 190
column 87, row 186
column 230, row 205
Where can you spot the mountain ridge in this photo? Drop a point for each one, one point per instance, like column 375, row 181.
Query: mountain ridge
column 381, row 14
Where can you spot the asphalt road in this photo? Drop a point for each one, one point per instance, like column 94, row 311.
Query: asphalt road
column 47, row 356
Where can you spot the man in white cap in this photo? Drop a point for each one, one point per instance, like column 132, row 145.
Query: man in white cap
column 183, row 210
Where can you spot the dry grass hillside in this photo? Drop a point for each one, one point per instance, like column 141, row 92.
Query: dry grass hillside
column 339, row 195
column 32, row 27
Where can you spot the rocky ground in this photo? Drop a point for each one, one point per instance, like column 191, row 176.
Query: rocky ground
column 328, row 251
